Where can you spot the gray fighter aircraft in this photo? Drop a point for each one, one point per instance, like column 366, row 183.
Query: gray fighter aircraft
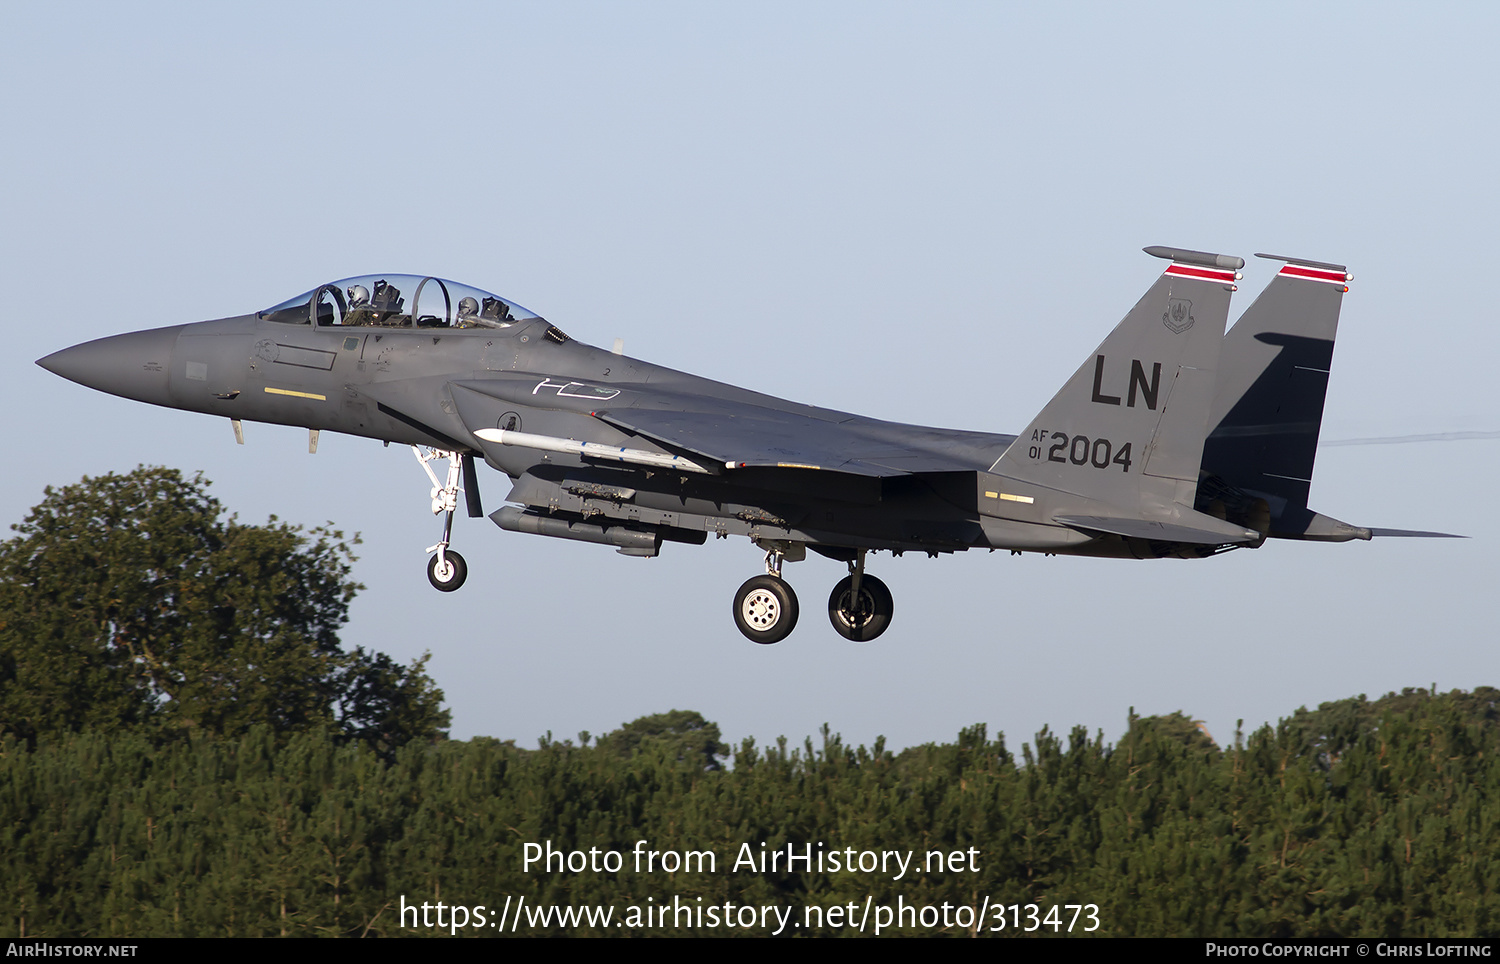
column 1172, row 439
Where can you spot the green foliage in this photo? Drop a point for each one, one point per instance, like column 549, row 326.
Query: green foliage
column 115, row 835
column 128, row 601
column 1325, row 733
column 383, row 704
column 681, row 735
column 1176, row 726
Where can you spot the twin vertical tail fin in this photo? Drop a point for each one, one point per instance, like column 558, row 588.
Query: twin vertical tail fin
column 1263, row 426
column 1118, row 449
column 1174, row 432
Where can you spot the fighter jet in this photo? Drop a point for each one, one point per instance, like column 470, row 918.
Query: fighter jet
column 1172, row 439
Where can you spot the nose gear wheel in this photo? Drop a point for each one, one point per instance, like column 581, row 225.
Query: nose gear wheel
column 447, row 571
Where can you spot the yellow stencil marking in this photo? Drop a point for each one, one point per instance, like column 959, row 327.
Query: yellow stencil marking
column 285, row 391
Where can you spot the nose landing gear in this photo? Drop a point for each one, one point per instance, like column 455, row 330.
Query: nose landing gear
column 447, row 570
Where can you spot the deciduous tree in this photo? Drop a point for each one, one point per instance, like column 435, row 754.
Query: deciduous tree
column 131, row 600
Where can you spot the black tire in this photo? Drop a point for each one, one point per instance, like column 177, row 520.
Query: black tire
column 457, row 572
column 765, row 609
column 866, row 620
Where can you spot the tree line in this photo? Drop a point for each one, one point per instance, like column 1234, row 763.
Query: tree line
column 1359, row 818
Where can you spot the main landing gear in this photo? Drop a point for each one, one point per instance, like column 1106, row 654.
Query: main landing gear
column 446, row 570
column 860, row 606
column 766, row 610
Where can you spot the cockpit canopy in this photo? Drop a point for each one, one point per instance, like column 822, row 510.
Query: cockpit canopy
column 398, row 301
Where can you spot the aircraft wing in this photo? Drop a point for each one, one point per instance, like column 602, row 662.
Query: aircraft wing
column 736, row 433
column 760, row 437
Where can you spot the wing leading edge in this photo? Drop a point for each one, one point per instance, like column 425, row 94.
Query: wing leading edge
column 724, row 433
column 765, row 438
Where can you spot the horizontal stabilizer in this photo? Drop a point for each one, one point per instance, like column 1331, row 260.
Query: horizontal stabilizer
column 1322, row 528
column 1415, row 534
column 1161, row 531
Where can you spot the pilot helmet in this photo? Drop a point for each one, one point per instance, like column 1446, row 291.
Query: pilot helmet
column 467, row 306
column 358, row 295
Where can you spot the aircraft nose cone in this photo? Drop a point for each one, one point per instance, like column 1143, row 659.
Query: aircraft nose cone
column 135, row 365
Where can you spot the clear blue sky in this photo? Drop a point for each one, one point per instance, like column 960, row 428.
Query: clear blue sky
column 928, row 213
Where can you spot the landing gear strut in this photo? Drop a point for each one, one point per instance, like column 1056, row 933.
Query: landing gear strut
column 765, row 608
column 446, row 570
column 860, row 607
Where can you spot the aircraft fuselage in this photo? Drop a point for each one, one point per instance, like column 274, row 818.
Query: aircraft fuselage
column 1163, row 443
